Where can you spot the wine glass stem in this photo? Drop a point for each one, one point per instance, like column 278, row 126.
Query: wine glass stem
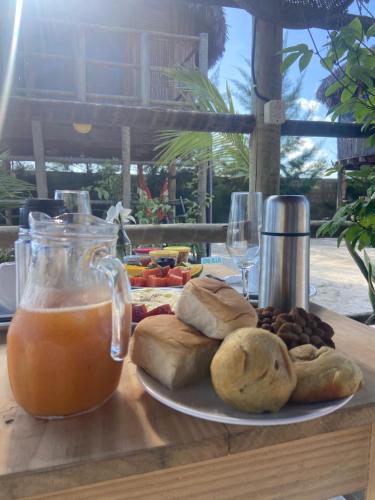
column 245, row 281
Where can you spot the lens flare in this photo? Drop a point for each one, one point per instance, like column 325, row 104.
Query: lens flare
column 7, row 85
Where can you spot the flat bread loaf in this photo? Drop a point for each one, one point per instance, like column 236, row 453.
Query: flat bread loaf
column 171, row 351
column 323, row 374
column 214, row 308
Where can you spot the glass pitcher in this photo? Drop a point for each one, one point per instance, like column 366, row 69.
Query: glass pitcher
column 70, row 333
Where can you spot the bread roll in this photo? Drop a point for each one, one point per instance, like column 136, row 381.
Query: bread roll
column 214, row 308
column 171, row 351
column 252, row 371
column 323, row 374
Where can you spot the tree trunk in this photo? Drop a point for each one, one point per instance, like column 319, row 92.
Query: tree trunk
column 341, row 186
column 40, row 167
column 202, row 191
column 265, row 140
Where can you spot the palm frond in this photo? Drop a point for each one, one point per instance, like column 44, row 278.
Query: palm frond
column 225, row 151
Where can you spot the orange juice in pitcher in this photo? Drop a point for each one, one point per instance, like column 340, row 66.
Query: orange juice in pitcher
column 70, row 334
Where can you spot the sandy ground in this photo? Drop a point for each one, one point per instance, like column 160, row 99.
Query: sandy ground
column 339, row 284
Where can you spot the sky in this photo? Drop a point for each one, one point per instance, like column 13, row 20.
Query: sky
column 238, row 46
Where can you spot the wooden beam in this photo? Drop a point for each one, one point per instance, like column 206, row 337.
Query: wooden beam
column 324, row 129
column 39, row 158
column 265, row 141
column 126, row 161
column 57, row 111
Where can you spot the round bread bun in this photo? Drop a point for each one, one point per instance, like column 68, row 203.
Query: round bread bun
column 214, row 308
column 323, row 374
column 252, row 371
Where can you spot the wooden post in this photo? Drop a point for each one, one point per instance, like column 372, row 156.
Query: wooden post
column 81, row 64
column 145, row 69
column 203, row 53
column 40, row 168
column 265, row 141
column 202, row 190
column 126, row 162
column 341, row 186
column 8, row 212
column 204, row 167
column 172, row 190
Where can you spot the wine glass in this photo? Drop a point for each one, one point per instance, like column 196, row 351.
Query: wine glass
column 74, row 201
column 243, row 235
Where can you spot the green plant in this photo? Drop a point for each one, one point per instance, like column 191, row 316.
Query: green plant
column 354, row 224
column 11, row 188
column 350, row 59
column 151, row 210
column 6, row 255
column 108, row 186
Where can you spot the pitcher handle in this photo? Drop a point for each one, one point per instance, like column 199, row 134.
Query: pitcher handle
column 121, row 304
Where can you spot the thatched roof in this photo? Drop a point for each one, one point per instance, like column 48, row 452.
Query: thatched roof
column 333, row 99
column 211, row 20
column 170, row 16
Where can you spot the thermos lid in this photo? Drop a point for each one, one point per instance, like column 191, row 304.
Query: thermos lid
column 52, row 208
column 286, row 215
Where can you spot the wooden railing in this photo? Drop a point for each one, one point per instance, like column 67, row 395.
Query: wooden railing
column 141, row 72
column 146, row 234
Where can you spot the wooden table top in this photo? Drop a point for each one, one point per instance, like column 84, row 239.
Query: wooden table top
column 133, row 433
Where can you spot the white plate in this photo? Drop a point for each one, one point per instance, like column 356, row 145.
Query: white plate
column 201, row 401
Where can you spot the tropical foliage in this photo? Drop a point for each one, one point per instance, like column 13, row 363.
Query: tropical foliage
column 350, row 59
column 354, row 224
column 229, row 153
column 223, row 150
column 11, row 188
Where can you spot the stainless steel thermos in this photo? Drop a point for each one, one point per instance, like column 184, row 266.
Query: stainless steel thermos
column 285, row 253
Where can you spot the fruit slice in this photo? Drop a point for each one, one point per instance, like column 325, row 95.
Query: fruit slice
column 186, row 276
column 139, row 312
column 156, row 281
column 154, row 271
column 196, row 270
column 176, row 271
column 134, row 270
column 173, row 280
column 139, row 281
column 164, row 309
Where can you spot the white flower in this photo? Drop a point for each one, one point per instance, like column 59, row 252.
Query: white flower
column 119, row 215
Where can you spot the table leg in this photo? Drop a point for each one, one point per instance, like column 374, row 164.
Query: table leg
column 370, row 492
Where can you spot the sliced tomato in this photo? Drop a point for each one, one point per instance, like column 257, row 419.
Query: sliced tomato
column 174, row 280
column 139, row 312
column 164, row 309
column 139, row 281
column 156, row 281
column 186, row 276
column 176, row 271
column 154, row 271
